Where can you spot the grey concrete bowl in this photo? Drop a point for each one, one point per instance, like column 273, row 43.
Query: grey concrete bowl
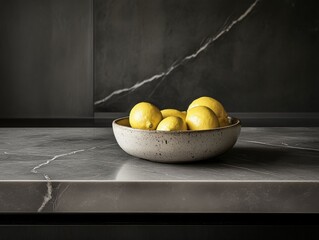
column 175, row 146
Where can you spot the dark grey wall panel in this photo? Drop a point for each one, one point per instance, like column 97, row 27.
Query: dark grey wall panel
column 268, row 62
column 46, row 58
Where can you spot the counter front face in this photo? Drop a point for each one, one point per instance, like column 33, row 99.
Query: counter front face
column 84, row 170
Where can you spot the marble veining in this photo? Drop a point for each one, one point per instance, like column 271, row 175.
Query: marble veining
column 48, row 195
column 184, row 60
column 99, row 176
column 283, row 145
column 34, row 170
column 249, row 169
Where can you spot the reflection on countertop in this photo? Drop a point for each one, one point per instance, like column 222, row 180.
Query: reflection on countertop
column 83, row 169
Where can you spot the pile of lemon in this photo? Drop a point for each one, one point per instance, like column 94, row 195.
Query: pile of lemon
column 202, row 114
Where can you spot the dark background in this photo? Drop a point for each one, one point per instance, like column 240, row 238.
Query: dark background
column 46, row 58
column 266, row 63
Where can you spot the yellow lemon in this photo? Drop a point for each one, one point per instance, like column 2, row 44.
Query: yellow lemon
column 145, row 115
column 173, row 112
column 214, row 105
column 201, row 118
column 171, row 123
column 223, row 122
column 124, row 122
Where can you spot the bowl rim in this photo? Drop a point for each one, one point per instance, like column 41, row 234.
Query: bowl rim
column 236, row 124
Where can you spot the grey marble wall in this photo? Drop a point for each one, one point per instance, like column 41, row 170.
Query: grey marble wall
column 46, row 60
column 254, row 56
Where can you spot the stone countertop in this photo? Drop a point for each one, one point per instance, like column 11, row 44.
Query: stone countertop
column 273, row 170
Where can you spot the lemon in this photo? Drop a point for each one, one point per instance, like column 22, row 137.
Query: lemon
column 171, row 123
column 124, row 122
column 145, row 115
column 214, row 105
column 201, row 118
column 223, row 122
column 173, row 112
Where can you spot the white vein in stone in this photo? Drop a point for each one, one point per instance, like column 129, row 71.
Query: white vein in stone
column 177, row 64
column 283, row 145
column 34, row 170
column 136, row 85
column 249, row 169
column 48, row 196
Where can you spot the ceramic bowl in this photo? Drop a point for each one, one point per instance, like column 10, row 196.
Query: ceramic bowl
column 175, row 146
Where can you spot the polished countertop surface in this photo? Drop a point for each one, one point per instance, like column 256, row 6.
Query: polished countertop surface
column 84, row 170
